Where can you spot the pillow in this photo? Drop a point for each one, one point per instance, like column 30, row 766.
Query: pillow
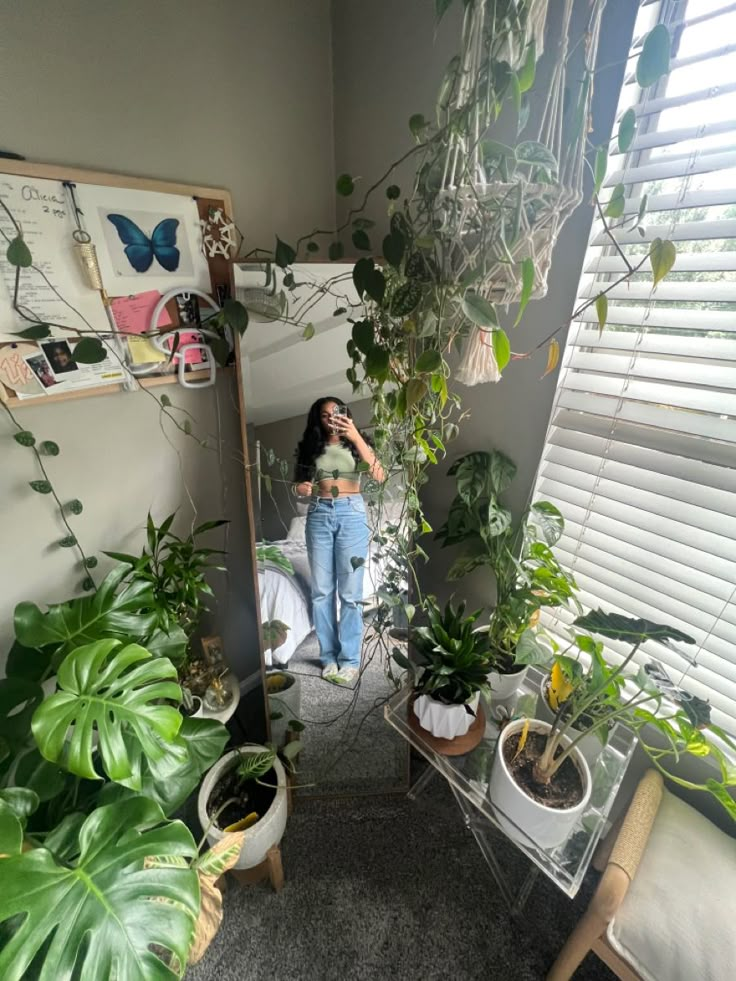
column 297, row 529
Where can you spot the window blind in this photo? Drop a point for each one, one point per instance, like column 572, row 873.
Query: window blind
column 640, row 454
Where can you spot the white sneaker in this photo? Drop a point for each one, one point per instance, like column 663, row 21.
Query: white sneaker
column 329, row 672
column 346, row 676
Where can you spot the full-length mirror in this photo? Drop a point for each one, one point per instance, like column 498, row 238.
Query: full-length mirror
column 329, row 503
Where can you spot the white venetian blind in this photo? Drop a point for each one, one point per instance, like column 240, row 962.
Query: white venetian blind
column 640, row 455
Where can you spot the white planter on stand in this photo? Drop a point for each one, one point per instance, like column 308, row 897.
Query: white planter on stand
column 445, row 721
column 544, row 826
column 505, row 686
column 267, row 831
column 286, row 702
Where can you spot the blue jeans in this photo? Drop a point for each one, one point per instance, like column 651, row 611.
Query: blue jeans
column 337, row 532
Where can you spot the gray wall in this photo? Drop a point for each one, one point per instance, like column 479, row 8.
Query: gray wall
column 230, row 93
column 388, row 65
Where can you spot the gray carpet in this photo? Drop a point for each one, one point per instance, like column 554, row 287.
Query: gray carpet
column 348, row 748
column 380, row 888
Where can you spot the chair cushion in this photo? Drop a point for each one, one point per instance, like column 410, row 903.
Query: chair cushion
column 678, row 919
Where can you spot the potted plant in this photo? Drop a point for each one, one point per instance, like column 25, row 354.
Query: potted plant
column 247, row 789
column 526, row 573
column 449, row 670
column 540, row 780
column 284, row 702
column 174, row 569
column 88, row 777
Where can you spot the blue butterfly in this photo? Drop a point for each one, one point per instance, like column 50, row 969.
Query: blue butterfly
column 140, row 249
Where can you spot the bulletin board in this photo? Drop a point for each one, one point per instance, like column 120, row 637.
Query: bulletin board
column 106, row 248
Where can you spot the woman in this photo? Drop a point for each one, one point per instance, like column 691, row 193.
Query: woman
column 337, row 531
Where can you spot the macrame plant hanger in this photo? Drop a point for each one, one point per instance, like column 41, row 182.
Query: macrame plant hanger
column 496, row 218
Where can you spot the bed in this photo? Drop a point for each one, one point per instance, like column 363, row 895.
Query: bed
column 286, row 595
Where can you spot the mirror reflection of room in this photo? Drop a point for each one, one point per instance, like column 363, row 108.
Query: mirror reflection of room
column 368, row 441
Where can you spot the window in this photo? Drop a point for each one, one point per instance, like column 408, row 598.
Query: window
column 640, row 454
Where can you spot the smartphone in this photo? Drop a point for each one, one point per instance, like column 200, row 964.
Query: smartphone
column 337, row 411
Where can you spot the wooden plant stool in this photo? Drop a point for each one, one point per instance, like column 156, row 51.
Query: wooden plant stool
column 271, row 868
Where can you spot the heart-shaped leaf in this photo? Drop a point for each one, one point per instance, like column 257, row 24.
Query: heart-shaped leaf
column 479, row 310
column 615, row 207
column 25, row 438
column 36, row 332
column 284, row 254
column 428, row 361
column 654, row 60
column 109, row 912
column 107, row 690
column 360, row 240
column 527, row 285
column 236, row 316
column 336, row 251
column 377, row 363
column 345, row 185
column 662, row 255
column 363, row 335
column 626, row 130
column 89, row 350
column 40, row 486
column 18, row 253
column 393, row 191
column 501, row 348
column 49, row 448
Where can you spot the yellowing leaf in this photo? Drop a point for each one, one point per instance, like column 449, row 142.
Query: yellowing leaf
column 522, row 738
column 601, row 308
column 560, row 688
column 662, row 257
column 244, row 823
column 553, row 356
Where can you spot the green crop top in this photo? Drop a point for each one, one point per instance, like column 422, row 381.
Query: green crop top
column 335, row 457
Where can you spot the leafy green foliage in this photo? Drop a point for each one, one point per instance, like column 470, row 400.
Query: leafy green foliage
column 174, row 570
column 501, row 348
column 284, row 254
column 525, row 571
column 477, row 309
column 90, row 350
column 345, row 185
column 18, row 254
column 105, row 690
column 25, row 438
column 615, row 626
column 450, row 658
column 654, row 60
column 274, row 555
column 626, row 130
column 36, row 332
column 122, row 613
column 615, row 207
column 94, row 916
column 662, row 255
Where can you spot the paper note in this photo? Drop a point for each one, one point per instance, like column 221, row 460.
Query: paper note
column 132, row 315
column 41, row 207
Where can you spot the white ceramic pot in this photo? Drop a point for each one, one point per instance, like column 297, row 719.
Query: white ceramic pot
column 505, row 686
column 445, row 721
column 266, row 832
column 531, row 822
column 287, row 703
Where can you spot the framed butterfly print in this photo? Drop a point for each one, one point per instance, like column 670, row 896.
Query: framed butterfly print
column 149, row 241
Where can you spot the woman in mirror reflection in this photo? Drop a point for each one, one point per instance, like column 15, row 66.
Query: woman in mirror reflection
column 327, row 461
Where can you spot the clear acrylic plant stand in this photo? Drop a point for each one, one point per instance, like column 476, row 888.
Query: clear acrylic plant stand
column 469, row 778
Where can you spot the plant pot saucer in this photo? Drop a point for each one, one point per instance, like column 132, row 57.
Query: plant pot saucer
column 449, row 747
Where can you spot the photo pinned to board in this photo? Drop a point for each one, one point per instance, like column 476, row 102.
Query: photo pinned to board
column 146, row 240
column 41, row 369
column 15, row 372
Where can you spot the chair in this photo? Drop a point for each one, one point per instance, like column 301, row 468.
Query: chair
column 665, row 908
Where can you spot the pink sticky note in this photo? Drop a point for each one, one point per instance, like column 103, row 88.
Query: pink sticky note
column 132, row 314
column 196, row 355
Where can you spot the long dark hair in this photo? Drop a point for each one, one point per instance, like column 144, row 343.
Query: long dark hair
column 313, row 441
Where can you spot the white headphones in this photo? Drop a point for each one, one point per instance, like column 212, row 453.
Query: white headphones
column 163, row 342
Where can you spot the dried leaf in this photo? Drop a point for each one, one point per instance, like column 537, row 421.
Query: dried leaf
column 522, row 738
column 553, row 356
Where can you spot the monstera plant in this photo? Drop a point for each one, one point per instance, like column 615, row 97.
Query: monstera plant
column 98, row 882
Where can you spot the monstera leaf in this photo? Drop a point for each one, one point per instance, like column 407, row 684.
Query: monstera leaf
column 112, row 692
column 632, row 631
column 106, row 613
column 100, row 916
column 170, row 779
